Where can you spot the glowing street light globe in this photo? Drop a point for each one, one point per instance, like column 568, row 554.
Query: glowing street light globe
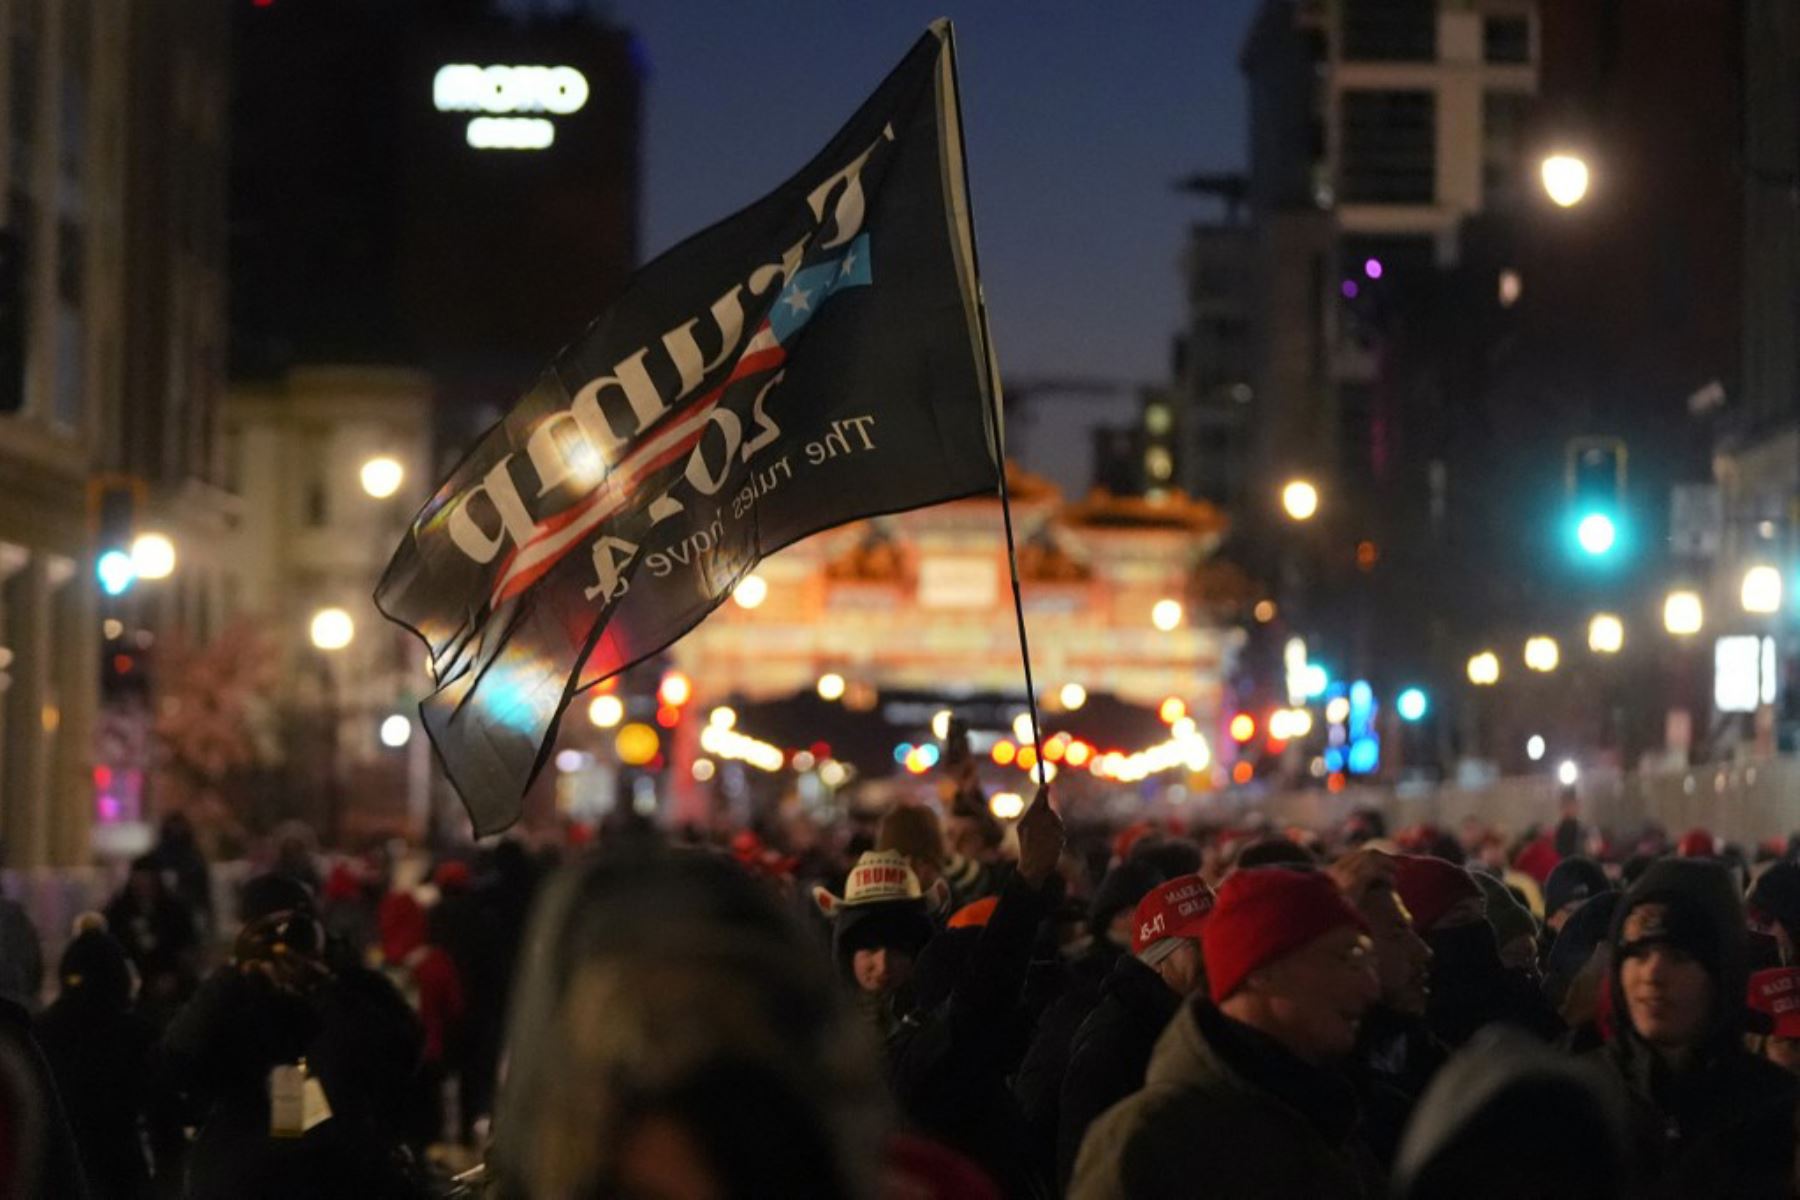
column 606, row 711
column 382, row 476
column 1596, row 533
column 332, row 629
column 1300, row 499
column 1484, row 669
column 1166, row 614
column 831, row 686
column 1606, row 634
column 1565, row 179
column 751, row 591
column 153, row 556
column 396, row 731
column 1542, row 654
column 1683, row 613
column 1762, row 590
column 1073, row 696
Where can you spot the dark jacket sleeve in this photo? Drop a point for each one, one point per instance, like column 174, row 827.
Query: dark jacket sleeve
column 1102, row 1071
column 975, row 1026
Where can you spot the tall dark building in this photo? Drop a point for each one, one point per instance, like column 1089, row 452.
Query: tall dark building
column 428, row 184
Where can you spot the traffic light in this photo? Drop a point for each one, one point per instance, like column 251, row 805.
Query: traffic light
column 1594, row 480
column 113, row 505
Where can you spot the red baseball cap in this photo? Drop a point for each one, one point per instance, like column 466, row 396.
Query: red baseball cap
column 1171, row 910
column 1776, row 994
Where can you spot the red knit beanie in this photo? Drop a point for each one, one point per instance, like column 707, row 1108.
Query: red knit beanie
column 1266, row 913
column 1431, row 887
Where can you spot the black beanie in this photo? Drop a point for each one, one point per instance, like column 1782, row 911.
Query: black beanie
column 272, row 893
column 94, row 966
column 1776, row 893
column 1121, row 889
column 1571, row 881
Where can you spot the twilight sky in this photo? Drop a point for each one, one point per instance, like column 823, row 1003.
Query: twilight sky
column 1078, row 117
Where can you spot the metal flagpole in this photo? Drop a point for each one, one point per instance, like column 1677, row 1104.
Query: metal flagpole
column 995, row 415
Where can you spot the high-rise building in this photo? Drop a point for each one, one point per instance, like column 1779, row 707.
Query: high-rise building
column 111, row 339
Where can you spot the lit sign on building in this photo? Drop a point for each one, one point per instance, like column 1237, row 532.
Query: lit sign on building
column 498, row 93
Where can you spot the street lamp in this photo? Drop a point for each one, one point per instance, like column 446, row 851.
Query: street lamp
column 1542, row 654
column 606, row 711
column 831, row 686
column 152, row 556
column 381, row 476
column 1683, row 614
column 1166, row 614
column 332, row 629
column 1300, row 499
column 1606, row 634
column 1762, row 589
column 751, row 591
column 1565, row 179
column 1484, row 669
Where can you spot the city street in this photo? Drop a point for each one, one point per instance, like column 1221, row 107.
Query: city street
column 674, row 600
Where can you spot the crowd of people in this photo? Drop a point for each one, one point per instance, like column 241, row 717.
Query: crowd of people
column 924, row 1002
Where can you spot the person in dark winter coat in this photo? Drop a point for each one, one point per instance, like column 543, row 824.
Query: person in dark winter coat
column 1774, row 905
column 1039, row 1082
column 1111, row 1050
column 949, row 1060
column 1775, row 995
column 178, row 854
column 1470, row 986
column 1510, row 1118
column 21, row 955
column 158, row 932
column 98, row 1050
column 1577, row 969
column 1572, row 883
column 879, row 928
column 1516, row 931
column 38, row 1156
column 469, row 932
column 427, row 977
column 1396, row 1054
column 1242, row 1100
column 1708, row 1117
column 278, row 1004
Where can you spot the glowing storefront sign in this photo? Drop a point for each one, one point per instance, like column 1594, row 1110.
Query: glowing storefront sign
column 499, row 92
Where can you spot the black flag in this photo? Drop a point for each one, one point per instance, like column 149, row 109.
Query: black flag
column 818, row 358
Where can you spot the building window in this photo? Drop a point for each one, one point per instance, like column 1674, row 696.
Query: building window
column 71, row 260
column 1503, row 120
column 1506, row 39
column 315, row 503
column 1390, row 30
column 77, row 38
column 71, row 366
column 25, row 25
column 1389, row 148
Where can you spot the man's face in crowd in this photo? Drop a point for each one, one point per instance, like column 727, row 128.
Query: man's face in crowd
column 1317, row 995
column 1784, row 1052
column 1402, row 960
column 881, row 969
column 964, row 836
column 1667, row 991
column 1184, row 970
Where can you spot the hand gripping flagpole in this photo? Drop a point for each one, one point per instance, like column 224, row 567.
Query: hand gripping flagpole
column 995, row 416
